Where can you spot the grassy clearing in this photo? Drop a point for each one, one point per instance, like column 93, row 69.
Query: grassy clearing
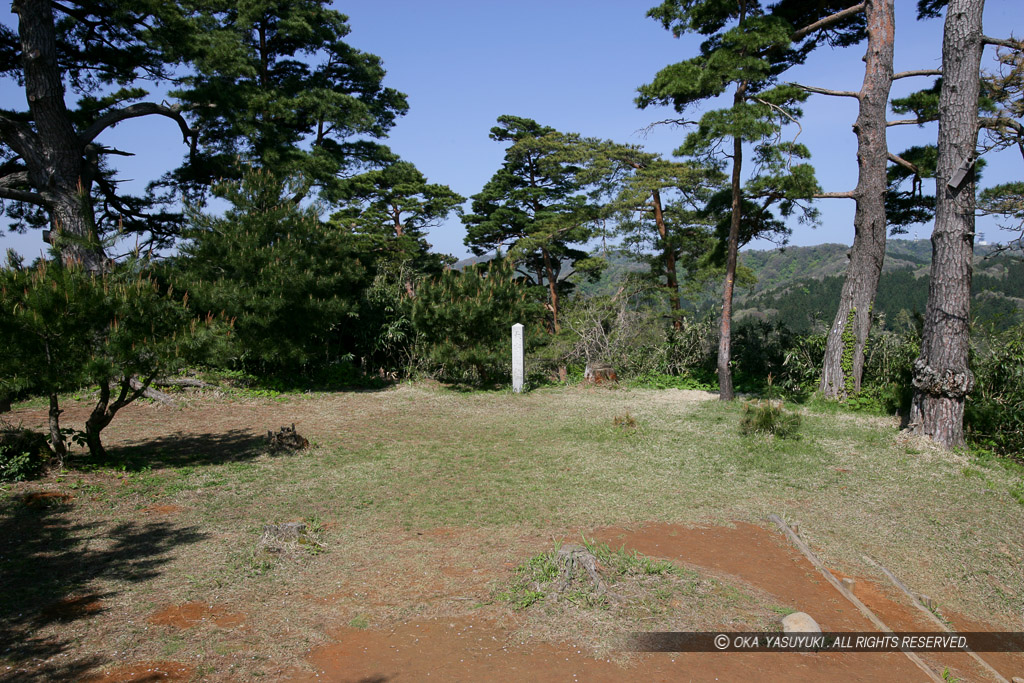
column 177, row 514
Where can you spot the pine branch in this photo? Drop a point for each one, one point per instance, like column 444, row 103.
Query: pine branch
column 10, row 185
column 828, row 21
column 895, row 158
column 917, row 72
column 826, row 91
column 132, row 111
column 905, row 122
column 836, row 195
column 1003, row 42
column 999, row 123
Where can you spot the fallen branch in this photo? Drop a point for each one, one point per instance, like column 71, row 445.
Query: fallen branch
column 155, row 394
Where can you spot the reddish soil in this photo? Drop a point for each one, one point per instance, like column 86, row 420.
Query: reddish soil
column 147, row 672
column 194, row 613
column 42, row 499
column 162, row 509
column 467, row 649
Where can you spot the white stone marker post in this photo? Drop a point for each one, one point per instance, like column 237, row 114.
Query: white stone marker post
column 517, row 358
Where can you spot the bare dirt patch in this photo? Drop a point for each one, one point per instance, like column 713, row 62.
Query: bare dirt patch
column 146, row 672
column 43, row 499
column 162, row 509
column 469, row 648
column 195, row 613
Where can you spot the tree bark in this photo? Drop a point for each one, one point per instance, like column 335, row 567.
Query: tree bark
column 725, row 388
column 53, row 152
column 669, row 253
column 552, row 276
column 103, row 412
column 57, row 445
column 843, row 366
column 942, row 377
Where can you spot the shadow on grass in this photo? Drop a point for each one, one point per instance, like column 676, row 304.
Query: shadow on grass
column 182, row 449
column 50, row 564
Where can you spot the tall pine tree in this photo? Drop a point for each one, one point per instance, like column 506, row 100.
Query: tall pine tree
column 746, row 51
column 535, row 206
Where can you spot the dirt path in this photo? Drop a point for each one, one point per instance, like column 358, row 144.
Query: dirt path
column 475, row 650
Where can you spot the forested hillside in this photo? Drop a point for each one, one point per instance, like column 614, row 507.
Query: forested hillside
column 800, row 286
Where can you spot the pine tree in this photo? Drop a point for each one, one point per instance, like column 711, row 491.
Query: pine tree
column 53, row 169
column 658, row 206
column 536, row 206
column 391, row 208
column 463, row 321
column 63, row 327
column 747, row 50
column 289, row 281
column 275, row 85
column 942, row 377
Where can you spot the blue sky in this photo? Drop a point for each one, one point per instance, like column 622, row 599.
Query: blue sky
column 574, row 65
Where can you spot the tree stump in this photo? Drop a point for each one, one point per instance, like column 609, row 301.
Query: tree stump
column 598, row 373
column 577, row 565
column 286, row 439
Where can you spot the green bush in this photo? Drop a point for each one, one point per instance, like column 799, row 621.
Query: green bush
column 287, row 279
column 886, row 386
column 994, row 412
column 769, row 417
column 23, row 453
column 463, row 323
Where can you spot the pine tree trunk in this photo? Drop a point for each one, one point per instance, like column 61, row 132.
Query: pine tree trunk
column 725, row 388
column 669, row 254
column 552, row 276
column 942, row 377
column 57, row 445
column 843, row 367
column 54, row 157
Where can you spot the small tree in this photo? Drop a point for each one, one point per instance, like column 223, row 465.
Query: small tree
column 64, row 327
column 288, row 280
column 51, row 315
column 463, row 321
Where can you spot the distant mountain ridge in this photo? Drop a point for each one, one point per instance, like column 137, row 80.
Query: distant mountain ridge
column 801, row 285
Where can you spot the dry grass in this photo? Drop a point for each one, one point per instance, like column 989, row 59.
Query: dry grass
column 429, row 498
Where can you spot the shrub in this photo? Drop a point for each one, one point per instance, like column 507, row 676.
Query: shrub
column 23, row 453
column 994, row 413
column 463, row 323
column 769, row 417
column 888, row 369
